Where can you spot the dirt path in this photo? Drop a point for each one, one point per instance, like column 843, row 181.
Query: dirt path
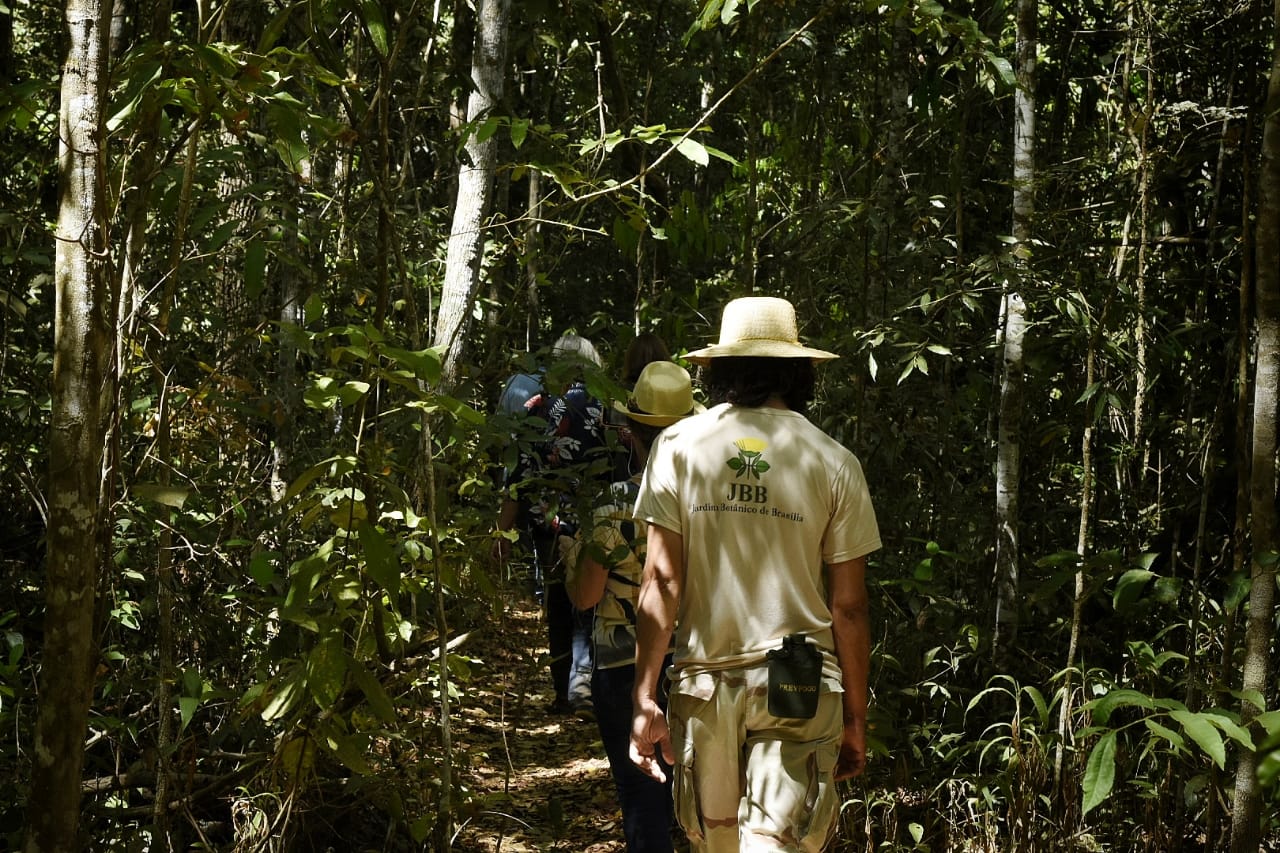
column 540, row 782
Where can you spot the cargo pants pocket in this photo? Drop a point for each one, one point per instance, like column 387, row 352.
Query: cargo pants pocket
column 822, row 800
column 684, row 789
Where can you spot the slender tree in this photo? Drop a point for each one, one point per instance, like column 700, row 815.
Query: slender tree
column 475, row 183
column 1259, row 633
column 1014, row 316
column 82, row 352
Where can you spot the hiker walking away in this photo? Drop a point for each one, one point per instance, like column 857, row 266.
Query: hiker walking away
column 759, row 526
column 574, row 439
column 604, row 562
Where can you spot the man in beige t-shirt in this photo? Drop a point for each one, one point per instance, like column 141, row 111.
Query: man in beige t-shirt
column 759, row 527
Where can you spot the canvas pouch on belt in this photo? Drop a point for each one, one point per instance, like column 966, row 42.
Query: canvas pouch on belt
column 795, row 673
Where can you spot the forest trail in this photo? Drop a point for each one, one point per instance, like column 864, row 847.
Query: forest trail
column 538, row 781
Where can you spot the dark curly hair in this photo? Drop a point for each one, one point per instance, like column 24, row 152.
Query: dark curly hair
column 750, row 381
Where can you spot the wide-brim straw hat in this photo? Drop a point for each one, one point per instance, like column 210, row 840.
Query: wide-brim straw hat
column 760, row 326
column 662, row 396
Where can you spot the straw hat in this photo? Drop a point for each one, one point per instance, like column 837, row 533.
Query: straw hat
column 758, row 326
column 663, row 395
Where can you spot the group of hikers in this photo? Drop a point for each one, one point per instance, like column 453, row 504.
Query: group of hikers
column 710, row 612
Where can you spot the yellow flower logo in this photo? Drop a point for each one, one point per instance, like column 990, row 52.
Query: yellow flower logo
column 749, row 462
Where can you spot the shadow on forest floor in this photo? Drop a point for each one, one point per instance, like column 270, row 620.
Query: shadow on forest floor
column 539, row 781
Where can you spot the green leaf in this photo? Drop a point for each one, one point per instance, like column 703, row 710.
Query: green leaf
column 1102, row 707
column 1130, row 586
column 141, row 79
column 1168, row 734
column 519, row 130
column 1253, row 697
column 376, row 23
column 350, row 750
column 286, row 696
column 711, row 13
column 1269, row 769
column 351, row 392
column 721, row 155
column 273, row 29
column 488, row 128
column 693, row 151
column 260, row 568
column 1099, row 773
column 306, row 478
column 192, row 684
column 222, row 234
column 1037, row 699
column 174, row 496
column 1229, row 727
column 187, row 706
column 380, row 560
column 1003, row 68
column 289, row 144
column 304, row 575
column 1270, row 721
column 326, row 671
column 424, row 364
column 379, row 702
column 907, row 371
column 1204, row 733
column 322, row 393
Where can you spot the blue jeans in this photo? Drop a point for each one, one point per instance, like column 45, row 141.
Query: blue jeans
column 569, row 642
column 647, row 811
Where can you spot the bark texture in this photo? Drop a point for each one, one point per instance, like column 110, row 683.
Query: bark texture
column 475, row 185
column 1245, row 828
column 82, row 350
column 1009, row 439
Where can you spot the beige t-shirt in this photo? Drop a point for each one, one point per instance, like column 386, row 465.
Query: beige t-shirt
column 762, row 499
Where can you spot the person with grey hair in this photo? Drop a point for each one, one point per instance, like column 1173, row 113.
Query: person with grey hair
column 573, row 441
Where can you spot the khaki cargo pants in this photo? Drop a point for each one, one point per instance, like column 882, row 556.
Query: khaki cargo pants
column 744, row 779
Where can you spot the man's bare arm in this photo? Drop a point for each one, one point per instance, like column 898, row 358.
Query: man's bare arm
column 851, row 628
column 656, row 610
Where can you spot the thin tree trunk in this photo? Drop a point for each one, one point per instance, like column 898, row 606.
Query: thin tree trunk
column 475, row 185
column 1240, row 528
column 532, row 249
column 1245, row 825
column 83, row 323
column 1067, row 707
column 1138, row 128
column 1009, row 450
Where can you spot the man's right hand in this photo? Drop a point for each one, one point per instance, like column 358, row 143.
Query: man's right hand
column 853, row 752
column 651, row 738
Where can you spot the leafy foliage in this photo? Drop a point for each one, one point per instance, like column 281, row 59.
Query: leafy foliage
column 330, row 509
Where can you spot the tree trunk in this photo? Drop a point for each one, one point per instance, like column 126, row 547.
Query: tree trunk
column 1245, row 828
column 1067, row 708
column 475, row 185
column 1243, row 463
column 82, row 351
column 1009, row 451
